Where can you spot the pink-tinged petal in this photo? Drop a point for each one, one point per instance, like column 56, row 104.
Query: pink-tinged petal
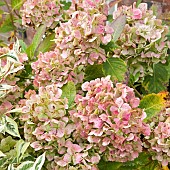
column 106, row 141
column 99, row 29
column 23, row 57
column 38, row 131
column 61, row 150
column 119, row 101
column 137, row 14
column 61, row 163
column 109, row 30
column 67, row 158
column 65, row 54
column 97, row 132
column 97, row 122
column 60, row 132
column 143, row 7
column 144, row 115
column 77, row 34
column 106, row 39
column 130, row 137
column 95, row 159
column 91, row 3
column 93, row 139
column 76, row 148
column 78, row 158
column 135, row 102
column 135, row 155
column 36, row 145
column 69, row 129
column 104, row 117
column 114, row 110
column 125, row 107
column 165, row 162
column 85, row 86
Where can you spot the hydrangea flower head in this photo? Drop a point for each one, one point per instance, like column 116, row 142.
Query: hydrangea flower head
column 90, row 6
column 81, row 37
column 41, row 12
column 49, row 128
column 158, row 143
column 52, row 67
column 143, row 40
column 109, row 119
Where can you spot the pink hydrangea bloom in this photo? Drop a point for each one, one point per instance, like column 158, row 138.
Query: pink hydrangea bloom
column 49, row 128
column 82, row 35
column 158, row 142
column 41, row 12
column 143, row 41
column 52, row 67
column 92, row 6
column 108, row 118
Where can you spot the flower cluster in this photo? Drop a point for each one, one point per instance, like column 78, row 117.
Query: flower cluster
column 159, row 140
column 48, row 127
column 51, row 67
column 77, row 44
column 41, row 12
column 11, row 62
column 143, row 40
column 108, row 118
column 82, row 35
column 92, row 6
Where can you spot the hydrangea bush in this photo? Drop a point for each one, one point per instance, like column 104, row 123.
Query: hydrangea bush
column 86, row 94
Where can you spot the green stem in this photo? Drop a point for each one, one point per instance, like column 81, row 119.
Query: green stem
column 11, row 16
column 139, row 95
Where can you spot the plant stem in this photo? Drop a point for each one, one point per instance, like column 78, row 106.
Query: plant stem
column 11, row 16
column 139, row 95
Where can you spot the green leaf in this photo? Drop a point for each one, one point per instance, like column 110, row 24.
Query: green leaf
column 118, row 25
column 18, row 110
column 2, row 154
column 47, row 44
column 138, row 2
column 11, row 127
column 36, row 41
column 109, row 165
column 16, row 4
column 11, row 167
column 1, row 12
column 69, row 91
column 111, row 46
column 115, row 67
column 94, row 71
column 2, row 125
column 27, row 165
column 3, row 161
column 168, row 66
column 7, row 25
column 66, row 5
column 143, row 162
column 39, row 162
column 2, row 3
column 110, row 18
column 23, row 46
column 21, row 147
column 156, row 83
column 152, row 105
